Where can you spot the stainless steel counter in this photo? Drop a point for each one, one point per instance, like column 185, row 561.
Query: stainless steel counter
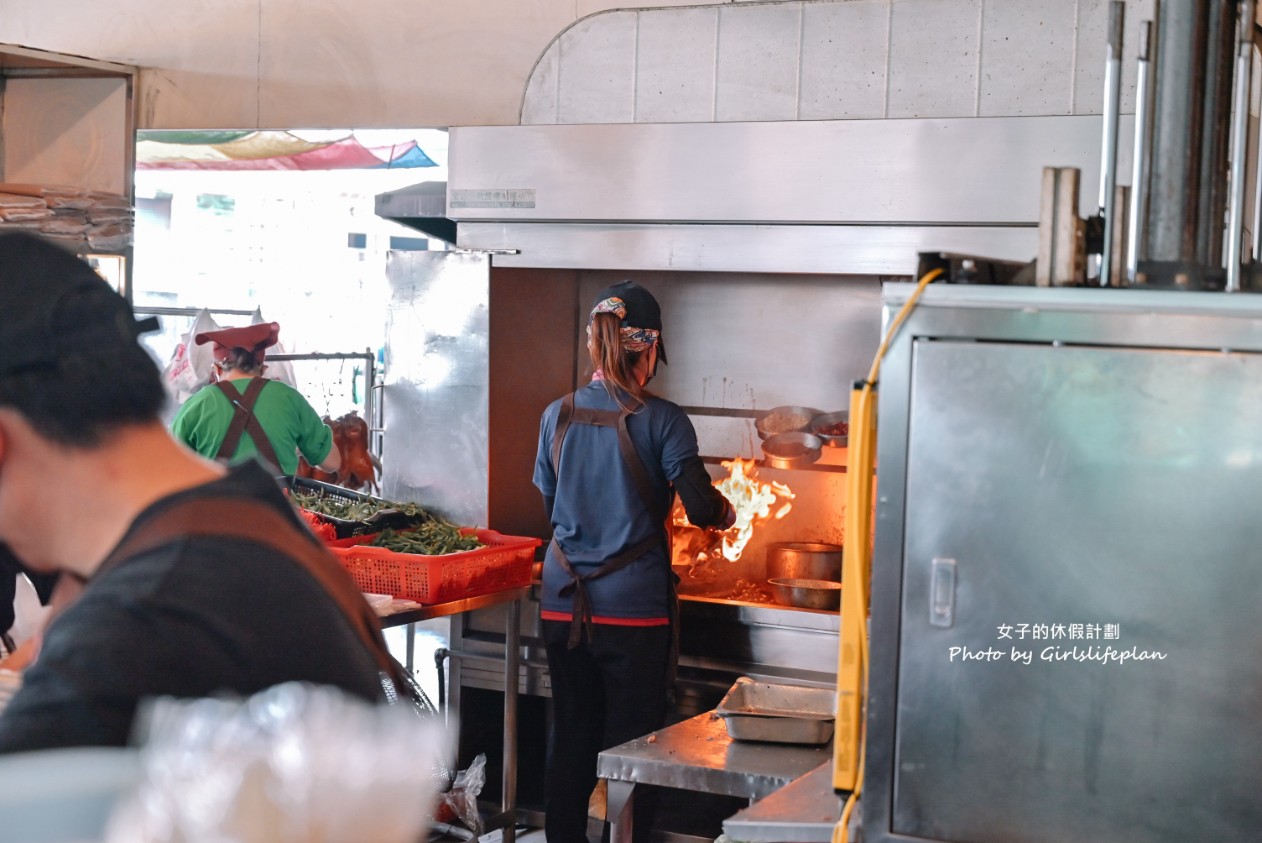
column 805, row 811
column 697, row 754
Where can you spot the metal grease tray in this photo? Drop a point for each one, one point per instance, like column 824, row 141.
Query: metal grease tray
column 768, row 711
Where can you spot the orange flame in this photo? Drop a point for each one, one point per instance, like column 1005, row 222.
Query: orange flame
column 753, row 501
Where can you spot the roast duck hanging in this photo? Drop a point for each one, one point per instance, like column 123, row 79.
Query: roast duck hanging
column 359, row 469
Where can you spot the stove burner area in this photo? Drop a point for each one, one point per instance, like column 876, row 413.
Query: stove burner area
column 712, row 579
column 702, row 558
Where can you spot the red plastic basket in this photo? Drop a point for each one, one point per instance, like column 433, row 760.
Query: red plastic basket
column 505, row 562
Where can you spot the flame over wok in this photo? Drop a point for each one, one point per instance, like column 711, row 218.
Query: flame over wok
column 754, row 501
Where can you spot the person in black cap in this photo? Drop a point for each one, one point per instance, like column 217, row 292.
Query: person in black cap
column 611, row 458
column 197, row 580
column 243, row 414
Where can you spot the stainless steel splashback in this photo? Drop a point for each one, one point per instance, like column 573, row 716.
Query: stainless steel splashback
column 434, row 447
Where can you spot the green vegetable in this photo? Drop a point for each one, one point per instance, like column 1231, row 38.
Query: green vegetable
column 433, row 538
column 354, row 510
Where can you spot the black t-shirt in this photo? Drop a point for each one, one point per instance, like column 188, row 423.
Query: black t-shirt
column 205, row 616
column 8, row 587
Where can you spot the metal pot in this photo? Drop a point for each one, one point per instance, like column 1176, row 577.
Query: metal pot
column 806, row 593
column 791, row 450
column 804, row 560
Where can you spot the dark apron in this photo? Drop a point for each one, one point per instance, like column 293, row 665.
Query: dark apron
column 581, row 622
column 244, row 421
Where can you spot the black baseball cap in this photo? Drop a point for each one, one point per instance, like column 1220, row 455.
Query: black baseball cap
column 643, row 311
column 38, row 279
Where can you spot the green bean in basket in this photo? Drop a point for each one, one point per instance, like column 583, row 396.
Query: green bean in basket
column 434, row 538
column 353, row 510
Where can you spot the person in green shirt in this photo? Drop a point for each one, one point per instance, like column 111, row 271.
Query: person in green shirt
column 242, row 414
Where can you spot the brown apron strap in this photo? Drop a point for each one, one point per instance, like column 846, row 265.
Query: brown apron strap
column 236, row 519
column 581, row 618
column 635, row 464
column 570, row 414
column 581, row 621
column 244, row 421
column 558, row 435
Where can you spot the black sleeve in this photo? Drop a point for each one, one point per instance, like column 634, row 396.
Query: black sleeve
column 10, row 567
column 8, row 587
column 705, row 505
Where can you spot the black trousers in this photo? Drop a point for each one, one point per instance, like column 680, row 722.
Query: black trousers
column 605, row 692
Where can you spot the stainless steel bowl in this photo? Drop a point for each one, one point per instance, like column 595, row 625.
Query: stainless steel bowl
column 787, row 419
column 791, row 450
column 806, row 594
column 804, row 560
column 821, row 423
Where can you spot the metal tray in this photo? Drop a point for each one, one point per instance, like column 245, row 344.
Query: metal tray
column 767, row 711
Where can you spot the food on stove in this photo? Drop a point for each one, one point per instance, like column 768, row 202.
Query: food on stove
column 434, row 538
column 748, row 591
column 784, row 421
column 840, row 428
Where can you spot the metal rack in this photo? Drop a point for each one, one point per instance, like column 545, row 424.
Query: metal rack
column 34, row 83
column 374, row 397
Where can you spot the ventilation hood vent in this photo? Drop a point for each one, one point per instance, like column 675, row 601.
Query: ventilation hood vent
column 421, row 206
column 842, row 196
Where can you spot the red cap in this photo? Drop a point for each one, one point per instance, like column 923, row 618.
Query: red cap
column 252, row 338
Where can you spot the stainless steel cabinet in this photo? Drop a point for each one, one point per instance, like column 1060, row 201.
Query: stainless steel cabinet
column 1067, row 572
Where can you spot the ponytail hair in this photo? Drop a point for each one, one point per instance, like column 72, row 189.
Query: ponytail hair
column 613, row 361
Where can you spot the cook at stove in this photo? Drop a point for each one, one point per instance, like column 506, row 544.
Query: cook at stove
column 611, row 458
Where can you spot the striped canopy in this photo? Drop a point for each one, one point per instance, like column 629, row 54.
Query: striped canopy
column 269, row 150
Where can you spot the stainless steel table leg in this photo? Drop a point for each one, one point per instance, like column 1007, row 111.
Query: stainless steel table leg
column 512, row 658
column 411, row 647
column 619, row 808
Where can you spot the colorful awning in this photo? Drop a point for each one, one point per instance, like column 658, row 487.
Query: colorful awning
column 269, row 150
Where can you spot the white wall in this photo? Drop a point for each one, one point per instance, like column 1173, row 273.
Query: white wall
column 411, row 63
column 311, row 63
column 833, row 60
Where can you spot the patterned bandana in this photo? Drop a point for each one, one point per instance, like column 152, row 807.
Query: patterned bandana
column 633, row 339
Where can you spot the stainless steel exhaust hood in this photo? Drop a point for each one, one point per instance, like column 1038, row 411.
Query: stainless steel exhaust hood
column 422, row 206
column 850, row 196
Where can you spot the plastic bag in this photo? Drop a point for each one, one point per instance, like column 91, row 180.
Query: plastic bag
column 190, row 365
column 296, row 763
column 277, row 370
column 461, row 802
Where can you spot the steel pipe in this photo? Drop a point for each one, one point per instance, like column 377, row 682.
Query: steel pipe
column 1174, row 186
column 1108, row 152
column 1139, row 171
column 1218, row 71
column 1239, row 139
